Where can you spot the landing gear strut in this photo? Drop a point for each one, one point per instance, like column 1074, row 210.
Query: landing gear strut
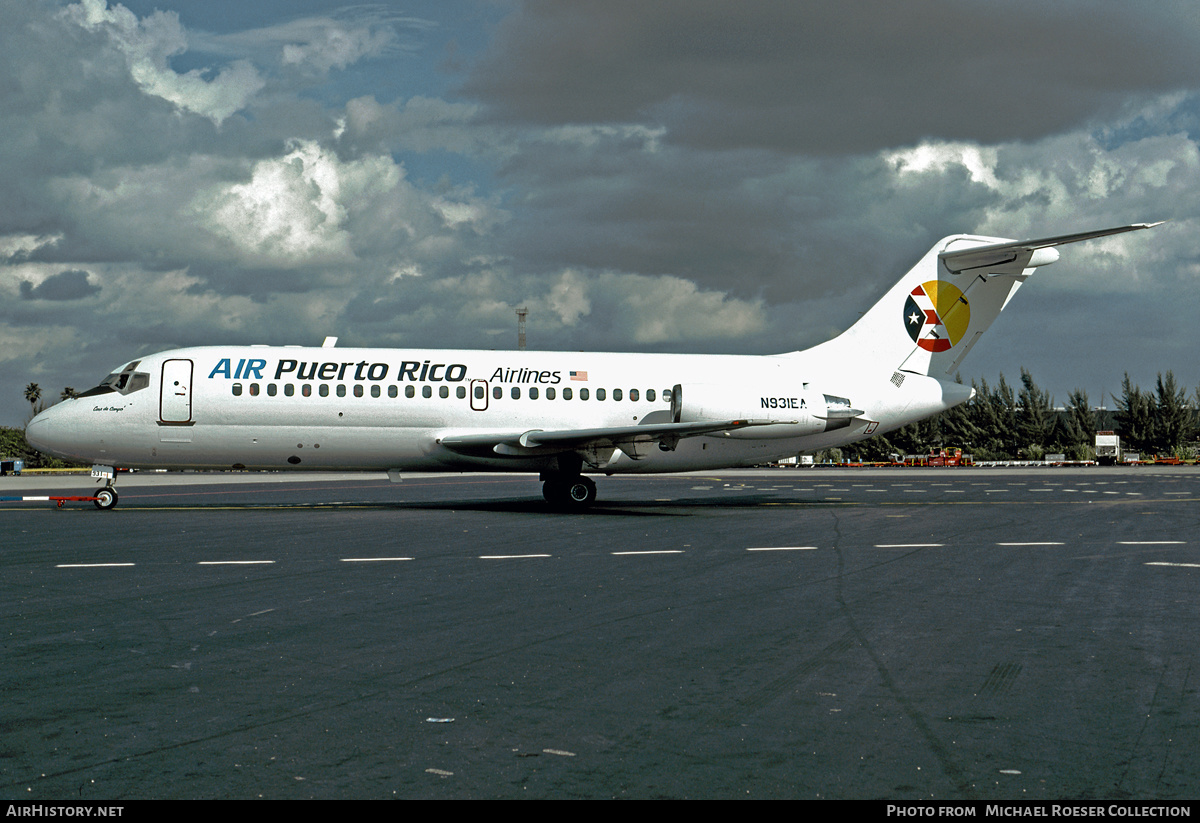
column 571, row 492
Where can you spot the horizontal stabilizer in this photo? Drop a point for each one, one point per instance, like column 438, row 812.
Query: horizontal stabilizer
column 1021, row 252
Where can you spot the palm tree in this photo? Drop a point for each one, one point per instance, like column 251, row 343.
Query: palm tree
column 68, row 393
column 33, row 393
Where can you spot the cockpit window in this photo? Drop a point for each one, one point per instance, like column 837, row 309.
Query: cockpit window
column 125, row 381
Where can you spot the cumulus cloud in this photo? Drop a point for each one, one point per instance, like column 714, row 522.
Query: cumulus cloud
column 17, row 247
column 653, row 310
column 149, row 43
column 66, row 285
column 568, row 298
column 292, row 208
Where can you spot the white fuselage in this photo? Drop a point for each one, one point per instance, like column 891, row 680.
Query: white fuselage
column 378, row 409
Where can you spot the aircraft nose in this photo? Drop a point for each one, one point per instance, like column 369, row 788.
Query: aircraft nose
column 37, row 431
column 47, row 434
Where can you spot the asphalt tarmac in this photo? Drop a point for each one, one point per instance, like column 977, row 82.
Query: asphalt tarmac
column 957, row 634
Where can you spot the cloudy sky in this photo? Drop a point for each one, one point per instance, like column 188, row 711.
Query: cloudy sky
column 682, row 175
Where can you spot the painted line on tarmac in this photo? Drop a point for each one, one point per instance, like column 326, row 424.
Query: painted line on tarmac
column 373, row 559
column 782, row 549
column 90, row 565
column 511, row 556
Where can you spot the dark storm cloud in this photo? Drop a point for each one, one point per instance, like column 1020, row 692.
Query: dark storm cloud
column 824, row 78
column 66, row 285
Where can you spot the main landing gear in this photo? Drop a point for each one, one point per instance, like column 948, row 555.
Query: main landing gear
column 569, row 492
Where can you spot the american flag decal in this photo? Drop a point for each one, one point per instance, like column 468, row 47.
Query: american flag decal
column 579, row 375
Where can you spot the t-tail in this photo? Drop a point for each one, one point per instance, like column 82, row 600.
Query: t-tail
column 928, row 322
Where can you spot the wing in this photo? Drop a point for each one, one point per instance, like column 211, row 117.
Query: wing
column 628, row 439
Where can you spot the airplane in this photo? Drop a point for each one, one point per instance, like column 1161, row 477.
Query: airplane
column 564, row 415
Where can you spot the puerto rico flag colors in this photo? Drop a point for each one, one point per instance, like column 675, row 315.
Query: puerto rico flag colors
column 936, row 315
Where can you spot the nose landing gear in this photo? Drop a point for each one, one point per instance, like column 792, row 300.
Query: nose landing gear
column 106, row 498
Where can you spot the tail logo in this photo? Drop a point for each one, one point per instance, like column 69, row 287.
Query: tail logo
column 936, row 315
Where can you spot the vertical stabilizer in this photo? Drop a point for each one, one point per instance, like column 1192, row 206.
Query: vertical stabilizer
column 929, row 321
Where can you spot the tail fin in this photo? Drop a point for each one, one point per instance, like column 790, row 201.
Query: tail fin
column 928, row 321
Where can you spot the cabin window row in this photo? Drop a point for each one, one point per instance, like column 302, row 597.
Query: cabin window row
column 515, row 392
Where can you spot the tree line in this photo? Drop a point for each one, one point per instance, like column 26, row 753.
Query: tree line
column 1007, row 422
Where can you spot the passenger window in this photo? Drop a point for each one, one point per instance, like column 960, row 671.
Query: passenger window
column 599, row 394
column 410, row 391
column 288, row 390
column 374, row 390
column 497, row 392
column 617, row 394
column 341, row 389
column 666, row 395
column 324, row 390
column 516, row 392
column 479, row 392
column 583, row 394
column 633, row 395
column 650, row 395
column 271, row 389
column 443, row 391
column 393, row 391
column 306, row 390
column 533, row 393
column 237, row 389
column 461, row 392
column 550, row 393
column 567, row 394
column 427, row 391
column 358, row 390
column 254, row 390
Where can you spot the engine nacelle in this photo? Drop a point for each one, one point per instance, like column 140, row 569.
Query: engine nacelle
column 799, row 411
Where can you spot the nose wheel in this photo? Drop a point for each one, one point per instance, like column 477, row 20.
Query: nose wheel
column 106, row 498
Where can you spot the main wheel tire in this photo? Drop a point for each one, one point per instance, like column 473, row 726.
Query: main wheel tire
column 570, row 493
column 581, row 492
column 106, row 498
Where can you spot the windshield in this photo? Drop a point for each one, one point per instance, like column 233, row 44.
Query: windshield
column 125, row 381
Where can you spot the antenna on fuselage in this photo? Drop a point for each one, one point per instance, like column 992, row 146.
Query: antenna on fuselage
column 521, row 314
column 329, row 343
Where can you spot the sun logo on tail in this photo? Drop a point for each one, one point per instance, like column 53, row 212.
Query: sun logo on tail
column 936, row 315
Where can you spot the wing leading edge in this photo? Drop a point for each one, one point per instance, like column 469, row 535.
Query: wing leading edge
column 538, row 442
